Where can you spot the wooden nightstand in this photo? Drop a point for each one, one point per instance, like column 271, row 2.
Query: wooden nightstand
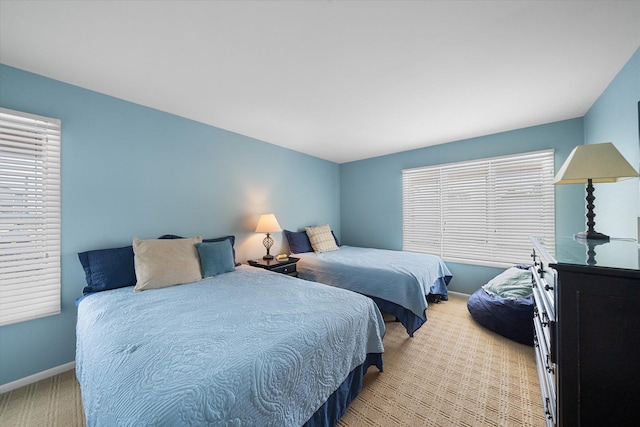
column 287, row 267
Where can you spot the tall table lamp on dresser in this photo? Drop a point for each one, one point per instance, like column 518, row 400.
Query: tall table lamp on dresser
column 589, row 164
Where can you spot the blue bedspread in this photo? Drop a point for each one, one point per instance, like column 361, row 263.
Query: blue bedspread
column 403, row 278
column 249, row 347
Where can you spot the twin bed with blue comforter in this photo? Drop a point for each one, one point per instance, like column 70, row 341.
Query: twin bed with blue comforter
column 245, row 348
column 399, row 282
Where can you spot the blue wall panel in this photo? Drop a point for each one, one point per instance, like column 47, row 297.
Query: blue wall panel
column 614, row 118
column 128, row 170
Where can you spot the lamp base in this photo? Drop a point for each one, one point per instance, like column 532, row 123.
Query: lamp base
column 267, row 242
column 592, row 235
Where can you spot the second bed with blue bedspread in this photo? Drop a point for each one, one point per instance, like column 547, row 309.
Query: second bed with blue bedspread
column 398, row 281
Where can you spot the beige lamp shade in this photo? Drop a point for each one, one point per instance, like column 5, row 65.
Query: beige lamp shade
column 597, row 162
column 268, row 224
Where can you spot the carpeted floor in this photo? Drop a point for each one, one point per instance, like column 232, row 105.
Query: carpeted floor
column 452, row 373
column 53, row 402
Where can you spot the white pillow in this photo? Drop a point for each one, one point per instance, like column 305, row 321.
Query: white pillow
column 161, row 263
column 321, row 238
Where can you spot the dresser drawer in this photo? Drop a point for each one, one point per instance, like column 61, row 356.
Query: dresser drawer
column 547, row 386
column 544, row 317
column 542, row 345
column 544, row 280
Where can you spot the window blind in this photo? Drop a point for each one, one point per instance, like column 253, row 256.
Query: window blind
column 29, row 216
column 482, row 211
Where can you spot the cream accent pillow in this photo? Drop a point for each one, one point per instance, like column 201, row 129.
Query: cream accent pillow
column 161, row 263
column 321, row 238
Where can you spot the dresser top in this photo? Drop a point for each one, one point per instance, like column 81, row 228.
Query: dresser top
column 616, row 253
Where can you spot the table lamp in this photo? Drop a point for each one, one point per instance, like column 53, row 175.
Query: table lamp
column 594, row 163
column 268, row 224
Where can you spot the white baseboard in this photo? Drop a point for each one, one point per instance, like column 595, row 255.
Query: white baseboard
column 5, row 388
column 460, row 294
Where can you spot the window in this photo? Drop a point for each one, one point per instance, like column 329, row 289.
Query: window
column 29, row 216
column 480, row 212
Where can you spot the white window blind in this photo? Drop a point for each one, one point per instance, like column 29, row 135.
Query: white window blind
column 29, row 216
column 482, row 211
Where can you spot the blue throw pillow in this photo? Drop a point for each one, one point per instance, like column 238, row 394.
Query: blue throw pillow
column 215, row 257
column 299, row 241
column 108, row 269
column 230, row 238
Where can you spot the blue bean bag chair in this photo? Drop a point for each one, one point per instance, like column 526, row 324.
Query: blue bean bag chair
column 505, row 305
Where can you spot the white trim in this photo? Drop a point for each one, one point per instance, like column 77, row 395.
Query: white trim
column 476, row 161
column 30, row 116
column 5, row 388
column 495, row 264
column 460, row 294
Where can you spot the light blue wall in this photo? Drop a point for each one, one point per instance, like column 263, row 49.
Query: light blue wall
column 129, row 170
column 371, row 190
column 614, row 118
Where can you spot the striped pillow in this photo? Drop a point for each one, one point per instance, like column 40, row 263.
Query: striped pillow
column 321, row 239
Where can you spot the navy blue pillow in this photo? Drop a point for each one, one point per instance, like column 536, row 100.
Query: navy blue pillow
column 335, row 238
column 230, row 238
column 299, row 241
column 108, row 269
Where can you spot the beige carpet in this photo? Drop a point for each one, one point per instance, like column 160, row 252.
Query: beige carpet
column 452, row 373
column 53, row 402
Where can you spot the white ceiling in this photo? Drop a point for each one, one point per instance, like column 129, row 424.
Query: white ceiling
column 338, row 80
